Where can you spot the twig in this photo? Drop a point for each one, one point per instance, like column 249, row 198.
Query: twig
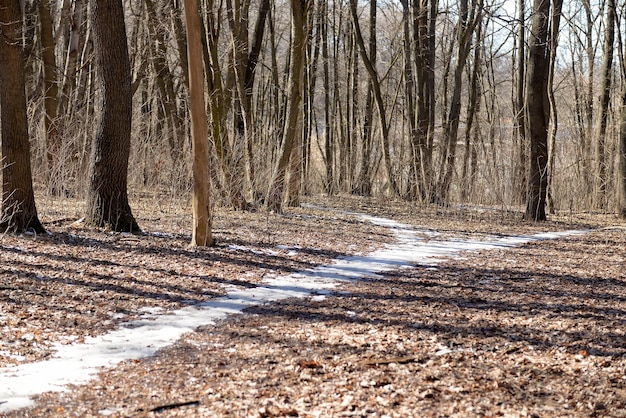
column 169, row 406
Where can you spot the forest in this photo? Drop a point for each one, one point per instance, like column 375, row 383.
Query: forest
column 271, row 208
column 504, row 104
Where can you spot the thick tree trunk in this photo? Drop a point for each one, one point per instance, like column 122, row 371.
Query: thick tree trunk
column 537, row 111
column 18, row 202
column 107, row 201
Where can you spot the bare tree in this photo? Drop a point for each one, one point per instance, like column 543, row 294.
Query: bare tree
column 18, row 202
column 537, row 110
column 299, row 10
column 107, row 201
column 605, row 96
column 378, row 97
column 468, row 20
column 201, row 234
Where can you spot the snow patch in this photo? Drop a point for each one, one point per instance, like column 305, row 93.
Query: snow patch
column 77, row 363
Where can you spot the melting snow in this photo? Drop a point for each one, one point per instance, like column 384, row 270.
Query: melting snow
column 78, row 362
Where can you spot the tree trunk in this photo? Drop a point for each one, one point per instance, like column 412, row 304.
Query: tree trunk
column 554, row 120
column 364, row 180
column 18, row 202
column 107, row 201
column 424, row 19
column 51, row 102
column 201, row 233
column 622, row 160
column 605, row 96
column 537, row 111
column 520, row 179
column 294, row 90
column 473, row 104
column 378, row 96
column 465, row 28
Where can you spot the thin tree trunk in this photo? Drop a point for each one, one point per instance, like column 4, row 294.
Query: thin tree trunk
column 51, row 98
column 465, row 28
column 299, row 19
column 373, row 75
column 364, row 180
column 520, row 179
column 554, row 121
column 605, row 96
column 622, row 160
column 473, row 104
column 201, row 232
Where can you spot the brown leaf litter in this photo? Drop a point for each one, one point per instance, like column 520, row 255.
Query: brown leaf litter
column 536, row 330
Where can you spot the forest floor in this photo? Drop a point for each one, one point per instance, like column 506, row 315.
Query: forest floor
column 535, row 330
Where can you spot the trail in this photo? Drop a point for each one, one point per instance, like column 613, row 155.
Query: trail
column 78, row 363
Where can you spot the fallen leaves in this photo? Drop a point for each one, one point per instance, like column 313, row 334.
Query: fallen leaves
column 530, row 331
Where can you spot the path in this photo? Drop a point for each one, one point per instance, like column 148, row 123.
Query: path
column 78, row 363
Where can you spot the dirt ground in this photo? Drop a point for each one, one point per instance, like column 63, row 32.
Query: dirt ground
column 536, row 330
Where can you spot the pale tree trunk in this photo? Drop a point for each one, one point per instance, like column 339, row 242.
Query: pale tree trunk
column 605, row 97
column 18, row 201
column 328, row 137
column 310, row 119
column 622, row 160
column 295, row 172
column 554, row 120
column 201, row 232
column 537, row 111
column 238, row 17
column 520, row 173
column 299, row 19
column 107, row 200
column 621, row 148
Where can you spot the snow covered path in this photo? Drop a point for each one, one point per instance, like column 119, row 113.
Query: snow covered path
column 78, row 363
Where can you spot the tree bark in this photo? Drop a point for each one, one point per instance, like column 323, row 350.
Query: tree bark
column 378, row 96
column 201, row 233
column 622, row 161
column 605, row 96
column 520, row 180
column 537, row 111
column 276, row 192
column 107, row 201
column 468, row 20
column 364, row 179
column 18, row 202
column 51, row 98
